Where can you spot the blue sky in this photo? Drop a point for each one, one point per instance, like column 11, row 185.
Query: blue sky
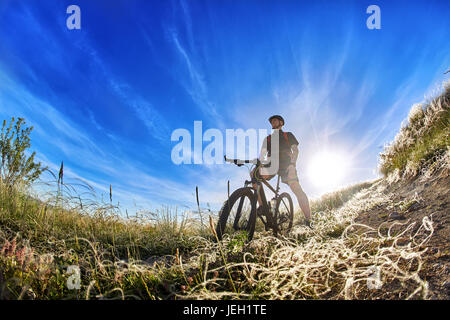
column 106, row 98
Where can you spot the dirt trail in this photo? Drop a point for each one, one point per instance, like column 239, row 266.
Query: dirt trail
column 410, row 201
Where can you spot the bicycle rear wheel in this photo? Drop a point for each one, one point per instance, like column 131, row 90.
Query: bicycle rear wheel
column 238, row 213
column 284, row 214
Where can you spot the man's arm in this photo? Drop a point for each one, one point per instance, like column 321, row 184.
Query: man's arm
column 264, row 150
column 294, row 154
column 294, row 148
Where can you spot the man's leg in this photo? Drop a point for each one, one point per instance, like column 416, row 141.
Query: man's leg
column 301, row 198
column 290, row 177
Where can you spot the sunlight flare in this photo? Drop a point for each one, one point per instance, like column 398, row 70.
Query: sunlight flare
column 327, row 169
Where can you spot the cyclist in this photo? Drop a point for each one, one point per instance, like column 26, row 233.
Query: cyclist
column 288, row 153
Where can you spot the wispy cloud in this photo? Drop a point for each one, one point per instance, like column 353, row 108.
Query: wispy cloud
column 146, row 112
column 43, row 116
column 131, row 184
column 195, row 84
column 196, row 87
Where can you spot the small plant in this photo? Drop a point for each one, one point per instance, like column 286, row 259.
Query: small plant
column 15, row 166
column 238, row 241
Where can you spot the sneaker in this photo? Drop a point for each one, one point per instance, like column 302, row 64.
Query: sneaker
column 308, row 224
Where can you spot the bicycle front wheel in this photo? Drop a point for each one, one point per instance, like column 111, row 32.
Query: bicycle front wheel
column 284, row 214
column 238, row 213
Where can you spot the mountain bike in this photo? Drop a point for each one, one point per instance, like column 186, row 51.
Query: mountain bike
column 239, row 212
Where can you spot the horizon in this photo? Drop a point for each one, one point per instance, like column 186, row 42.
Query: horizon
column 106, row 98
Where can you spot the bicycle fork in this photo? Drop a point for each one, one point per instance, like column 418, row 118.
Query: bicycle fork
column 238, row 214
column 239, row 209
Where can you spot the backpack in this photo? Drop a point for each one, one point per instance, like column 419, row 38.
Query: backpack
column 285, row 138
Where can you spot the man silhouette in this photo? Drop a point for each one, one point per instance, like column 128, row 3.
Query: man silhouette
column 287, row 157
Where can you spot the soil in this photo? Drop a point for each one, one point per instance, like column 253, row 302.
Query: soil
column 433, row 194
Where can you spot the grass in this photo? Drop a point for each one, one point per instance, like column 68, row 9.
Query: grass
column 107, row 247
column 425, row 137
column 40, row 241
column 336, row 199
column 311, row 264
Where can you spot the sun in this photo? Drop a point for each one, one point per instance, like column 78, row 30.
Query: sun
column 326, row 169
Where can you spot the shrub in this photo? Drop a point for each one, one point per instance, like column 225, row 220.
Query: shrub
column 15, row 166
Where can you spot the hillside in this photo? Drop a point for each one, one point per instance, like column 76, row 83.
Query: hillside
column 419, row 202
column 383, row 239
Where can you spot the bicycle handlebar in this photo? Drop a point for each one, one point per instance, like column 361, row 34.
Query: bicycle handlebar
column 239, row 162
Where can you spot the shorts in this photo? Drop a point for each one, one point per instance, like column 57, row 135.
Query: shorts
column 287, row 175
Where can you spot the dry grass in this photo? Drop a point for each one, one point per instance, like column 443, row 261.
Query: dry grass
column 157, row 256
column 334, row 200
column 425, row 137
column 40, row 239
column 312, row 264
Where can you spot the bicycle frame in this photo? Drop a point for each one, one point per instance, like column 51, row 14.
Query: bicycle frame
column 257, row 183
column 260, row 192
